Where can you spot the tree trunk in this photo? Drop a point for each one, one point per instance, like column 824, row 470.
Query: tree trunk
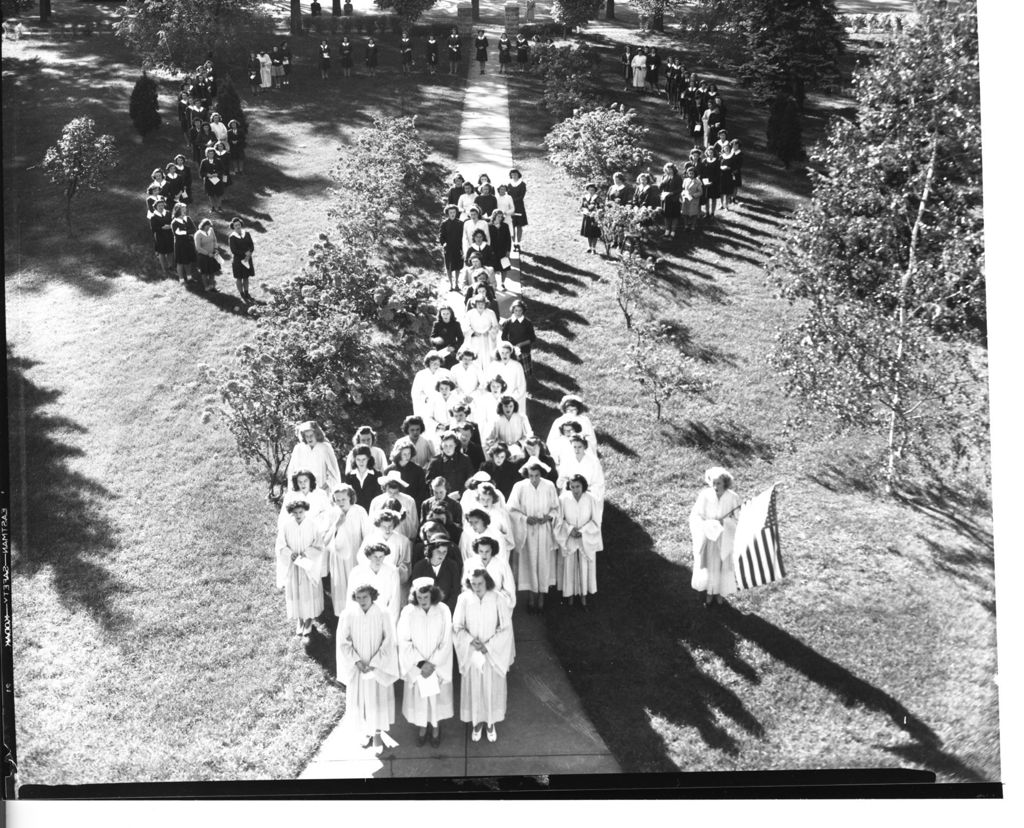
column 658, row 21
column 476, row 10
column 609, row 10
column 44, row 10
column 898, row 402
column 295, row 26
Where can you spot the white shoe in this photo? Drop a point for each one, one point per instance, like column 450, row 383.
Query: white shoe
column 492, row 735
column 477, row 732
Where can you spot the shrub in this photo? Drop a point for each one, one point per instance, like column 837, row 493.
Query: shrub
column 593, row 144
column 144, row 107
column 79, row 160
column 229, row 105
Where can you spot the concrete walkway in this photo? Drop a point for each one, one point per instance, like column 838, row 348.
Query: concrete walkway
column 546, row 731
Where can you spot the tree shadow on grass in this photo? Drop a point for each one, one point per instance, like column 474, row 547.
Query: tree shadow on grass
column 60, row 522
column 682, row 338
column 604, row 439
column 633, row 668
column 728, row 441
column 548, row 317
column 565, row 271
column 952, row 508
column 673, row 277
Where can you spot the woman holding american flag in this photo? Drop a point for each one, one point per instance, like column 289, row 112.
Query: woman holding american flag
column 712, row 529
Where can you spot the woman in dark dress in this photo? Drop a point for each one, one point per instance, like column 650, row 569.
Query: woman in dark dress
column 345, row 51
column 174, row 185
column 412, row 474
column 371, row 56
column 163, row 237
column 517, row 189
column 522, row 52
column 325, row 59
column 710, row 176
column 670, row 186
column 503, row 470
column 450, row 239
column 432, row 48
column 447, row 337
column 454, row 52
column 518, row 330
column 241, row 246
column 286, row 63
column 590, row 206
column 737, row 168
column 481, row 248
column 184, row 171
column 236, row 146
column 198, row 137
column 627, row 68
column 253, row 69
column 646, row 194
column 653, row 70
column 276, row 67
column 504, row 53
column 364, row 480
column 456, row 190
column 688, row 107
column 486, row 201
column 481, row 49
column 501, row 246
column 184, row 230
column 405, row 48
column 213, row 178
column 534, row 447
column 223, row 155
column 727, row 177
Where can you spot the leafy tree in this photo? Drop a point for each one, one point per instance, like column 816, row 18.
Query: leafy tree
column 408, row 11
column 887, row 260
column 784, row 130
column 14, row 8
column 788, row 45
column 180, row 33
column 571, row 77
column 573, row 13
column 229, row 105
column 594, row 144
column 652, row 13
column 79, row 160
column 144, row 106
column 379, row 175
column 634, row 278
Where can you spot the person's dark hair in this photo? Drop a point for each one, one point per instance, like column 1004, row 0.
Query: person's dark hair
column 489, row 490
column 450, row 435
column 480, row 514
column 577, row 478
column 483, row 540
column 505, row 400
column 445, row 381
column 500, row 379
column 481, row 573
column 411, row 420
column 373, row 548
column 345, row 489
column 446, row 307
column 369, row 590
column 494, row 448
column 363, row 451
column 362, row 431
column 436, row 594
column 300, row 473
column 479, row 233
column 296, row 505
column 575, row 425
column 579, row 438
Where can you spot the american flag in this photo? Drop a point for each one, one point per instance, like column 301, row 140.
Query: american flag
column 758, row 557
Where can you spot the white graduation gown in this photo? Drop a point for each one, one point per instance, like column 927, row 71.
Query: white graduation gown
column 712, row 560
column 504, row 584
column 481, row 330
column 401, row 552
column 319, row 505
column 424, row 386
column 380, row 460
column 484, row 693
column 514, row 376
column 555, row 432
column 589, row 467
column 368, row 637
column 303, row 589
column 469, row 379
column 426, row 635
column 410, row 524
column 535, row 545
column 485, row 413
column 577, row 574
column 384, row 581
column 512, row 430
column 319, row 459
column 342, row 544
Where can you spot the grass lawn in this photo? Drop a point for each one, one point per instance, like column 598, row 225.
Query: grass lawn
column 150, row 642
column 878, row 650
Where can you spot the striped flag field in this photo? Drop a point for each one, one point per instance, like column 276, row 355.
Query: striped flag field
column 758, row 556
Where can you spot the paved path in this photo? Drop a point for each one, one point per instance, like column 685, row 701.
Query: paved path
column 546, row 730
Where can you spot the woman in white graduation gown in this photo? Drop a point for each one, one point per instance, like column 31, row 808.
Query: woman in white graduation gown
column 469, row 380
column 482, row 629
column 424, row 384
column 534, row 508
column 485, row 556
column 573, row 408
column 386, row 523
column 487, row 407
column 583, row 462
column 578, row 531
column 374, row 570
column 511, row 371
column 348, row 526
column 366, row 436
column 304, row 487
column 511, row 427
column 367, row 661
column 500, row 526
column 298, row 551
column 425, row 650
column 315, row 453
column 480, row 327
column 712, row 530
column 392, row 483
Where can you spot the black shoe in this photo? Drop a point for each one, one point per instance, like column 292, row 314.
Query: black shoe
column 421, row 740
column 435, row 738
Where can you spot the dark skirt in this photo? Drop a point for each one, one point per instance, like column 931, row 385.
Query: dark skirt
column 214, row 189
column 671, row 207
column 519, row 219
column 163, row 242
column 184, row 249
column 590, row 228
column 240, row 271
column 481, row 55
column 208, row 265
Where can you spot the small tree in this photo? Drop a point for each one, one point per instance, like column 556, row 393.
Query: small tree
column 661, row 371
column 784, row 130
column 144, row 107
column 229, row 105
column 572, row 79
column 594, row 144
column 408, row 11
column 79, row 160
column 634, row 277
